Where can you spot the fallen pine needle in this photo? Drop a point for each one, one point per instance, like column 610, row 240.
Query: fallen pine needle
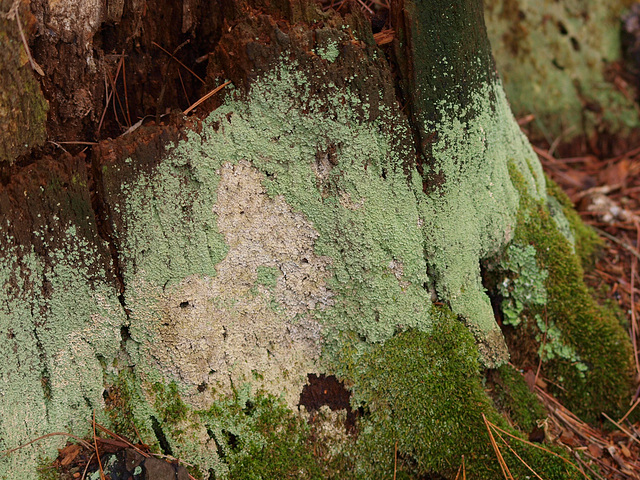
column 526, row 442
column 395, row 460
column 78, row 439
column 516, row 454
column 635, row 404
column 206, row 97
column 95, row 443
column 501, row 462
column 631, row 435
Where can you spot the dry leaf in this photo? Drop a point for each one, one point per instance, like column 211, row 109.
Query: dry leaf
column 625, row 451
column 69, row 453
column 594, row 450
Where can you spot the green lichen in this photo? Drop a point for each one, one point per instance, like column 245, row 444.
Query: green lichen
column 342, row 175
column 470, row 155
column 59, row 320
column 329, row 52
column 554, row 57
column 267, row 276
column 523, row 290
column 582, row 343
column 526, row 288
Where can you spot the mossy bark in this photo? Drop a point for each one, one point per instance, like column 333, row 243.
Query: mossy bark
column 305, row 225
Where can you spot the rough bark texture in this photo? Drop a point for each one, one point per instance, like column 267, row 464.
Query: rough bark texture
column 23, row 109
column 188, row 278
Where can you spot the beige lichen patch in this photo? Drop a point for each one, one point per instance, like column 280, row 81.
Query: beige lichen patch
column 217, row 333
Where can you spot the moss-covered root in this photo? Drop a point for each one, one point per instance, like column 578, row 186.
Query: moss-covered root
column 585, row 349
column 423, row 393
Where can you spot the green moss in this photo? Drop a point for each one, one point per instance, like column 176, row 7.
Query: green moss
column 586, row 352
column 169, row 404
column 424, row 392
column 513, row 398
column 46, row 470
column 259, row 438
column 123, row 401
column 587, row 242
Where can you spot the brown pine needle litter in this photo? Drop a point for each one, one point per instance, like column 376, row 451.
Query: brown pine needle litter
column 86, row 455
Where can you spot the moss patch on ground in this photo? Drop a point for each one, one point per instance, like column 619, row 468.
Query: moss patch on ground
column 512, row 397
column 582, row 344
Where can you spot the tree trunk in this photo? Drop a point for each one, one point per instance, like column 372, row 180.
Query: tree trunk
column 324, row 236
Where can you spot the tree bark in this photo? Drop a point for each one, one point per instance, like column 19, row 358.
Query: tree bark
column 304, row 232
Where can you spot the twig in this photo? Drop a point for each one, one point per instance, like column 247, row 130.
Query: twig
column 179, row 62
column 122, row 439
column 95, row 443
column 516, row 455
column 206, row 97
column 117, row 97
column 78, row 439
column 109, row 95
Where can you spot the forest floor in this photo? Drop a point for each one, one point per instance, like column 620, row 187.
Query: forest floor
column 606, row 193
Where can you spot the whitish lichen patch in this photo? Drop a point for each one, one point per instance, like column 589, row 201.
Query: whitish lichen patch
column 60, row 326
column 282, row 181
column 221, row 331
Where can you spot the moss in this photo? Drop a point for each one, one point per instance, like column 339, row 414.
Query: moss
column 514, row 399
column 587, row 352
column 122, row 397
column 587, row 242
column 260, row 438
column 424, row 392
column 169, row 404
column 46, row 470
